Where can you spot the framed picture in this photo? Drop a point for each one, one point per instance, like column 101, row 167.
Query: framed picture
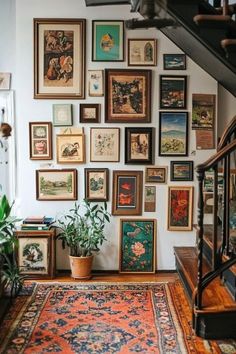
column 203, row 111
column 62, row 115
column 205, row 139
column 36, row 253
column 208, row 203
column 96, row 184
column 181, row 170
column 156, row 174
column 105, row 144
column 127, row 192
column 150, row 198
column 139, row 145
column 173, row 92
column 59, row 58
column 137, row 246
column 56, row 184
column 70, row 148
column 180, row 208
column 40, row 134
column 89, row 113
column 142, row 52
column 174, row 61
column 107, row 40
column 127, row 96
column 5, row 81
column 95, row 83
column 173, row 134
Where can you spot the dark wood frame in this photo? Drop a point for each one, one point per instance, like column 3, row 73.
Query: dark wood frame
column 121, row 22
column 174, row 78
column 160, row 134
column 164, row 168
column 165, row 67
column 143, row 40
column 151, row 145
column 74, row 171
column 144, row 117
column 172, row 166
column 137, row 210
column 51, row 257
column 97, row 107
column 153, row 244
column 56, row 22
column 49, row 140
column 87, row 171
column 91, row 142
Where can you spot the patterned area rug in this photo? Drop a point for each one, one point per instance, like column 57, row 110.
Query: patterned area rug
column 104, row 318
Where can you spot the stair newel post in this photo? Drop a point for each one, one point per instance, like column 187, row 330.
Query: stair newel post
column 200, row 177
column 215, row 255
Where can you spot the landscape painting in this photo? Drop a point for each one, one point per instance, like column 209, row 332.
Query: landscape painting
column 174, row 61
column 173, row 92
column 181, row 170
column 56, row 184
column 173, row 134
column 203, row 111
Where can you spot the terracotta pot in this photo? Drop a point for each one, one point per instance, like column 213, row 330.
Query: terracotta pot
column 81, row 267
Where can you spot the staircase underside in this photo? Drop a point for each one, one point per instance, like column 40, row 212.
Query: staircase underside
column 217, row 318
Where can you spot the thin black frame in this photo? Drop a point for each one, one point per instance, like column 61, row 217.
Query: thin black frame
column 172, row 165
column 151, row 145
column 165, row 67
column 176, row 103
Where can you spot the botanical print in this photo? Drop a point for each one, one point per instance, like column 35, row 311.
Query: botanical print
column 137, row 246
column 203, row 111
column 70, row 148
column 126, row 197
column 173, row 133
column 5, row 79
column 139, row 146
column 96, row 185
column 104, row 144
column 40, row 141
column 174, row 61
column 141, row 52
column 156, row 174
column 180, row 208
column 149, row 198
column 95, row 83
column 40, row 131
column 40, row 147
column 173, row 92
column 33, row 255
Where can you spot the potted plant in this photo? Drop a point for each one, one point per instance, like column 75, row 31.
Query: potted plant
column 83, row 233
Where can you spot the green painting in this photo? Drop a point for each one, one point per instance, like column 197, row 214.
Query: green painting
column 137, row 244
column 107, row 40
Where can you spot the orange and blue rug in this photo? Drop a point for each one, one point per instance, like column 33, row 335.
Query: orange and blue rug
column 104, row 318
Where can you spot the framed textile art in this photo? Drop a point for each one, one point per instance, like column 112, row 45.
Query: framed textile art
column 127, row 192
column 137, row 246
column 59, row 58
column 40, row 134
column 56, row 184
column 180, row 208
column 127, row 96
column 96, row 184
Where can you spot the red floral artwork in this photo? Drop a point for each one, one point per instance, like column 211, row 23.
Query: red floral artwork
column 179, row 200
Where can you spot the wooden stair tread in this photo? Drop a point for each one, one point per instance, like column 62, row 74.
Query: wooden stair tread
column 215, row 297
column 212, row 21
column 229, row 45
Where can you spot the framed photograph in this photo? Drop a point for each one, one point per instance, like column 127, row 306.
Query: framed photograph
column 142, row 52
column 56, row 184
column 107, row 40
column 70, row 148
column 156, row 174
column 139, row 145
column 90, row 113
column 203, row 111
column 180, row 208
column 181, row 170
column 127, row 96
column 36, row 253
column 150, row 198
column 127, row 192
column 62, row 115
column 96, row 184
column 174, row 61
column 5, row 81
column 173, row 134
column 40, row 134
column 173, row 92
column 105, row 144
column 95, row 83
column 59, row 58
column 137, row 246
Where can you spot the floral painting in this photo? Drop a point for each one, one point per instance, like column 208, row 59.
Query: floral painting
column 104, row 144
column 180, row 208
column 137, row 245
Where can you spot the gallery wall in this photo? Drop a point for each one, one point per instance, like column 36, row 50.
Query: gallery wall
column 33, row 110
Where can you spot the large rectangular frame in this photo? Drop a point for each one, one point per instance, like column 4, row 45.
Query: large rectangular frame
column 59, row 56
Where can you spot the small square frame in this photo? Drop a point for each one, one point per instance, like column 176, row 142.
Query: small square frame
column 90, row 112
column 181, row 171
column 62, row 115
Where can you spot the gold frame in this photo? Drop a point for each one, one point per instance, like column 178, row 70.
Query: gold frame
column 74, row 139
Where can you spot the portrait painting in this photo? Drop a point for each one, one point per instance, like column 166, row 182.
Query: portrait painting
column 96, row 184
column 203, row 111
column 180, row 208
column 40, row 134
column 139, row 145
column 137, row 246
column 105, row 144
column 70, row 148
column 173, row 92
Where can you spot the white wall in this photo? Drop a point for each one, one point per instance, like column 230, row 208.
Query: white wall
column 226, row 108
column 29, row 109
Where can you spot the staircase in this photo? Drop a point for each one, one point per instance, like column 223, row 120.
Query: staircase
column 208, row 271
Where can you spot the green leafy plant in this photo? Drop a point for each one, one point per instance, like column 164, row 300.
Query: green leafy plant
column 83, row 233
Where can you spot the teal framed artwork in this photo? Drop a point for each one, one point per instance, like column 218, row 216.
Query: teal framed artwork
column 107, row 40
column 137, row 246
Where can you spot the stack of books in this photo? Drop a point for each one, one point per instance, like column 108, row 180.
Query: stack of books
column 37, row 223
